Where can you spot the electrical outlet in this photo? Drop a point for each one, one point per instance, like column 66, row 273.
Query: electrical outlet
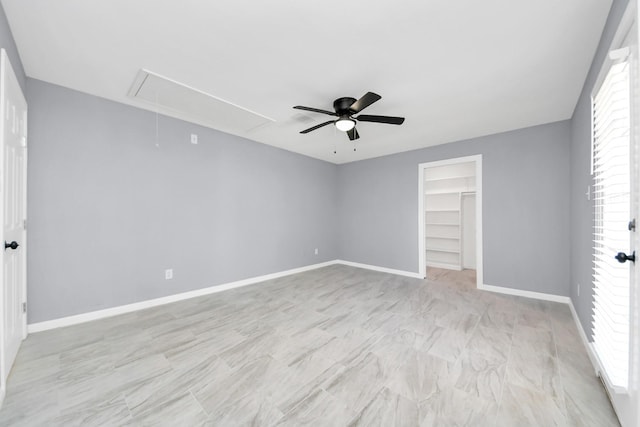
column 168, row 274
column 194, row 138
column 316, row 251
column 578, row 289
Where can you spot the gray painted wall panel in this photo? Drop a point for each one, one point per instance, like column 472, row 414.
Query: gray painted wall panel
column 525, row 207
column 581, row 207
column 110, row 211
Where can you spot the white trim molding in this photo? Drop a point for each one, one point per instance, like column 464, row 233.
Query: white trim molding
column 142, row 305
column 381, row 269
column 583, row 336
column 554, row 298
column 128, row 308
column 526, row 294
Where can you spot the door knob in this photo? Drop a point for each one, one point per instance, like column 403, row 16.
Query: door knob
column 622, row 257
column 12, row 245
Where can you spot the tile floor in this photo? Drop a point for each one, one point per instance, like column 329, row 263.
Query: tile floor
column 334, row 346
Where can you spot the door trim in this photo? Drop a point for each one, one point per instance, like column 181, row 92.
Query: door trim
column 422, row 259
column 463, row 213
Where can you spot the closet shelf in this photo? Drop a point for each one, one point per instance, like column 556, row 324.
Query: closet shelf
column 448, row 178
column 442, row 192
column 451, row 251
column 448, row 266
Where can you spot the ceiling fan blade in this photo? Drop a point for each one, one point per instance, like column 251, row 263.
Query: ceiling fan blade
column 315, row 110
column 353, row 134
column 380, row 119
column 362, row 103
column 317, row 126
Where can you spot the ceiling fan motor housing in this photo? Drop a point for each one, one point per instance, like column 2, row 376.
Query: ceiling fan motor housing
column 342, row 105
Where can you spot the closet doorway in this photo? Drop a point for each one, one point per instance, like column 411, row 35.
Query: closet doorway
column 450, row 219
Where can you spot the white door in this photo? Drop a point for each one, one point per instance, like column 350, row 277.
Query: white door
column 616, row 126
column 14, row 173
column 469, row 231
column 628, row 404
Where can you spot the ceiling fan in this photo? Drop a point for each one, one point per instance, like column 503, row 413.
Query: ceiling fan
column 345, row 108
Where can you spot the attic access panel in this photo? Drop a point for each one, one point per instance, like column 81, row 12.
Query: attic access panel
column 185, row 102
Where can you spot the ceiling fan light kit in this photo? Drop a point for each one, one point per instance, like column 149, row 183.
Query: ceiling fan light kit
column 345, row 108
column 345, row 124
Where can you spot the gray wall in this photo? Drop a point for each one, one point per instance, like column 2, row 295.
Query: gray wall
column 581, row 208
column 7, row 43
column 109, row 211
column 525, row 207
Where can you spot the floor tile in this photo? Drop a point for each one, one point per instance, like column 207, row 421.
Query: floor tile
column 318, row 409
column 453, row 407
column 388, row 409
column 334, row 346
column 525, row 407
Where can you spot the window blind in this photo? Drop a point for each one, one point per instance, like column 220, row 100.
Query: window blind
column 611, row 192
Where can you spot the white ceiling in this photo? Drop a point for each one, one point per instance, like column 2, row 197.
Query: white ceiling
column 455, row 70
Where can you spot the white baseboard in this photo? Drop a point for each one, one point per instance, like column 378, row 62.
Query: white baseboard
column 128, row 308
column 555, row 298
column 381, row 269
column 583, row 336
column 526, row 294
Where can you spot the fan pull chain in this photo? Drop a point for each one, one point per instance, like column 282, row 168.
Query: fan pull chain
column 335, row 151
